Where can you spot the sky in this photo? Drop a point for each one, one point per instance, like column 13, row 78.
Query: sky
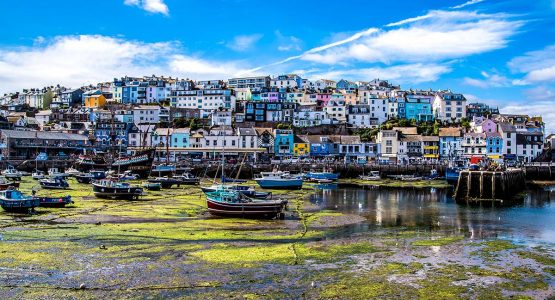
column 501, row 52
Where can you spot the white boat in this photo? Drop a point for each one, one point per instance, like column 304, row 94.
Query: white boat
column 72, row 171
column 54, row 172
column 374, row 175
column 410, row 178
column 12, row 173
column 38, row 175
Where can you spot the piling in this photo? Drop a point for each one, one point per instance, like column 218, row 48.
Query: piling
column 489, row 186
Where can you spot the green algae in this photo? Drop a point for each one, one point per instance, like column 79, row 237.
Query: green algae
column 441, row 241
column 541, row 259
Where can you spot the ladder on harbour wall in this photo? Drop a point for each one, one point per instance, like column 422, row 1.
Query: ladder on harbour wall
column 489, row 186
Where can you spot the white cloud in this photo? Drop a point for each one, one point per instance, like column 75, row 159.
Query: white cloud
column 489, row 80
column 153, row 6
column 288, row 43
column 436, row 36
column 243, row 42
column 535, row 108
column 75, row 60
column 539, row 66
column 471, row 2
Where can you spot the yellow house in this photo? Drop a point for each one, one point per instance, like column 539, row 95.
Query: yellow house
column 301, row 149
column 95, row 101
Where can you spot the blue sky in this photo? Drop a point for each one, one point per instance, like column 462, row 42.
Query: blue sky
column 501, row 52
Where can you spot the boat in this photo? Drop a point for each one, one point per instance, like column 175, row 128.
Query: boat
column 106, row 188
column 188, row 179
column 127, row 175
column 54, row 201
column 452, row 174
column 38, row 175
column 231, row 180
column 248, row 191
column 12, row 173
column 85, row 163
column 324, row 175
column 410, row 178
column 139, row 164
column 90, row 176
column 165, row 181
column 54, row 172
column 72, row 171
column 5, row 184
column 374, row 176
column 223, row 203
column 54, row 183
column 163, row 169
column 152, row 186
column 278, row 180
column 14, row 201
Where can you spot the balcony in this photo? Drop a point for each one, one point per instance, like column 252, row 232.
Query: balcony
column 431, row 147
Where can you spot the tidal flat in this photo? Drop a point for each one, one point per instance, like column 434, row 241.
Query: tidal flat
column 166, row 245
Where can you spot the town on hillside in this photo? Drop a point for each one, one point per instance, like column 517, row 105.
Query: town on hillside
column 265, row 119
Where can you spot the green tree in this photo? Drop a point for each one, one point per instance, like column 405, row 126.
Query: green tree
column 47, row 99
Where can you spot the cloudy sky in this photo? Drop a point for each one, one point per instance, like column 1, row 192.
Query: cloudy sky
column 500, row 52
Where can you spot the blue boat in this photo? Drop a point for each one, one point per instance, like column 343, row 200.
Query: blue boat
column 452, row 174
column 315, row 176
column 279, row 180
column 54, row 201
column 14, row 201
column 54, row 183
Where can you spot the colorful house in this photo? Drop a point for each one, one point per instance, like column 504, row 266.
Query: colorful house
column 494, row 145
column 300, row 147
column 283, row 142
column 95, row 101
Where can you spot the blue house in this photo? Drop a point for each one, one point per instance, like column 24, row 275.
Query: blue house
column 346, row 85
column 321, row 146
column 450, row 139
column 419, row 109
column 180, row 138
column 494, row 145
column 112, row 134
column 283, row 142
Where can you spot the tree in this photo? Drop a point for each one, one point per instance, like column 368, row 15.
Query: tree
column 47, row 99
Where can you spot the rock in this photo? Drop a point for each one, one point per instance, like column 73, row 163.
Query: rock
column 82, row 286
column 103, row 247
column 98, row 223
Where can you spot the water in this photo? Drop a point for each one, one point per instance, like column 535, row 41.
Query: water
column 531, row 221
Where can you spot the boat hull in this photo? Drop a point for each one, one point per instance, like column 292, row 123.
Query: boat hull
column 5, row 186
column 452, row 175
column 321, row 176
column 20, row 206
column 258, row 209
column 287, row 184
column 84, row 179
column 54, row 202
column 126, row 193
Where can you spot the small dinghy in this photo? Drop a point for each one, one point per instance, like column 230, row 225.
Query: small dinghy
column 55, row 183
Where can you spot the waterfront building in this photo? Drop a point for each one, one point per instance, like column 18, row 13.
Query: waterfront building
column 450, row 139
column 494, row 146
column 283, row 142
column 388, row 141
column 449, row 107
column 353, row 150
column 474, row 145
column 301, row 148
column 26, row 144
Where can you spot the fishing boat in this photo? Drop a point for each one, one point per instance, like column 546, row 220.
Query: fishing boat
column 5, row 184
column 54, row 183
column 163, row 169
column 452, row 174
column 187, row 179
column 12, row 173
column 152, row 186
column 374, row 175
column 72, row 171
column 139, row 164
column 14, row 201
column 231, row 180
column 278, row 180
column 38, row 175
column 248, row 191
column 85, row 163
column 324, row 175
column 165, row 181
column 55, row 172
column 90, row 176
column 115, row 189
column 54, row 201
column 235, row 204
column 128, row 175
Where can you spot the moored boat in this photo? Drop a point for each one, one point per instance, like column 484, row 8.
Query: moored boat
column 374, row 175
column 152, row 186
column 231, row 180
column 54, row 201
column 84, row 177
column 278, row 180
column 139, row 164
column 237, row 205
column 452, row 174
column 38, row 175
column 55, row 172
column 324, row 175
column 165, row 182
column 5, row 184
column 14, row 201
column 114, row 189
column 248, row 191
column 12, row 173
column 187, row 179
column 54, row 183
column 72, row 171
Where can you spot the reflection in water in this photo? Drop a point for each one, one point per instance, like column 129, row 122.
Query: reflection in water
column 435, row 209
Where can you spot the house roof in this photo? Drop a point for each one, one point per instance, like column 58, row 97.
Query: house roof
column 493, row 134
column 261, row 130
column 182, row 130
column 406, row 130
column 44, row 113
column 346, row 139
column 506, row 127
column 247, row 131
column 44, row 135
column 450, row 131
column 163, row 131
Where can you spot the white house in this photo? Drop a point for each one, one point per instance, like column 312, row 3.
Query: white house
column 146, row 114
column 448, row 106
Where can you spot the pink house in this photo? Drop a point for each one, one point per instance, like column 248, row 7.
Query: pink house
column 489, row 126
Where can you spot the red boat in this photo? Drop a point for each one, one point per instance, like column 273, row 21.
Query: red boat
column 236, row 205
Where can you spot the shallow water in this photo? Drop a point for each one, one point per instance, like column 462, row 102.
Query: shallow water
column 530, row 221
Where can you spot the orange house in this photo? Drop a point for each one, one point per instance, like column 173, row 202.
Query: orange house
column 95, row 101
